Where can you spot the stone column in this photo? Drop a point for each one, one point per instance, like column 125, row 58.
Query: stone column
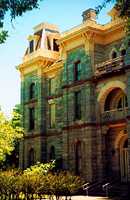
column 42, row 108
column 127, row 66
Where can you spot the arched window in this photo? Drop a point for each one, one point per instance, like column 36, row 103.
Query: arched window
column 116, row 99
column 78, row 158
column 52, row 153
column 122, row 102
column 31, row 157
column 32, row 91
column 114, row 55
column 123, row 52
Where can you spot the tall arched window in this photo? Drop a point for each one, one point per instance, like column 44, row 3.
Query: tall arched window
column 32, row 91
column 123, row 52
column 52, row 153
column 114, row 55
column 31, row 157
column 78, row 158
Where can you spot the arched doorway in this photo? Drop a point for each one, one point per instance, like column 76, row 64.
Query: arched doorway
column 31, row 158
column 124, row 160
column 52, row 153
column 78, row 158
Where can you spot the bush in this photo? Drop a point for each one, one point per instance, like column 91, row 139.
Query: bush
column 9, row 183
column 62, row 184
column 38, row 181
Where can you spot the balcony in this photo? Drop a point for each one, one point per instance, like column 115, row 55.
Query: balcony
column 44, row 53
column 109, row 66
column 114, row 115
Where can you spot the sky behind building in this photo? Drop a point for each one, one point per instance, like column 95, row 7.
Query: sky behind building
column 64, row 13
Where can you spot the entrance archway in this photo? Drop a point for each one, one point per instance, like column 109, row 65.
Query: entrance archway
column 124, row 160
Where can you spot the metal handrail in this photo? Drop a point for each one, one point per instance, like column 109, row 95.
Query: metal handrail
column 86, row 187
column 90, row 186
column 106, row 188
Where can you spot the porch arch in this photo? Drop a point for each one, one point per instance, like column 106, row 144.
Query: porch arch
column 107, row 89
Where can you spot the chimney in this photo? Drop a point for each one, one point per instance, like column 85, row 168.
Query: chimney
column 89, row 14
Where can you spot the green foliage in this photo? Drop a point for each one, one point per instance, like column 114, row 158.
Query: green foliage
column 63, row 184
column 33, row 183
column 8, row 136
column 123, row 6
column 40, row 168
column 3, row 36
column 16, row 120
column 14, row 8
column 103, row 5
column 10, row 182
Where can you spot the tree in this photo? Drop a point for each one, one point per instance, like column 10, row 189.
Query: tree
column 12, row 159
column 8, row 136
column 123, row 6
column 14, row 8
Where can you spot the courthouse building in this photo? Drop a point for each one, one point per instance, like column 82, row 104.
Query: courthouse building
column 75, row 98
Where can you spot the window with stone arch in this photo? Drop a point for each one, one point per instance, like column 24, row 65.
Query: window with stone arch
column 114, row 54
column 78, row 158
column 122, row 50
column 116, row 100
column 31, row 157
column 32, row 91
column 52, row 153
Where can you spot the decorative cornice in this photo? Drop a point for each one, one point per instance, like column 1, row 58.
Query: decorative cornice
column 79, row 126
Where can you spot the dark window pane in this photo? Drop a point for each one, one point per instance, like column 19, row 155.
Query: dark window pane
column 77, row 71
column 78, row 105
column 126, row 101
column 31, row 157
column 31, row 118
column 55, row 45
column 32, row 91
column 31, row 46
column 114, row 55
column 52, row 153
column 123, row 52
column 78, row 158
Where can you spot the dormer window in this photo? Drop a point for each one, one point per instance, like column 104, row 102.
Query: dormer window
column 31, row 46
column 114, row 55
column 55, row 45
column 123, row 52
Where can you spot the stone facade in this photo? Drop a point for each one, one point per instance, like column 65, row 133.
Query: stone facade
column 75, row 99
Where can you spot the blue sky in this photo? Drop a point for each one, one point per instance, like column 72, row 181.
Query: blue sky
column 64, row 13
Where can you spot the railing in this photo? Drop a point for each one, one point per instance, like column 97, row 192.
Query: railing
column 105, row 188
column 114, row 115
column 49, row 54
column 92, row 188
column 109, row 66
